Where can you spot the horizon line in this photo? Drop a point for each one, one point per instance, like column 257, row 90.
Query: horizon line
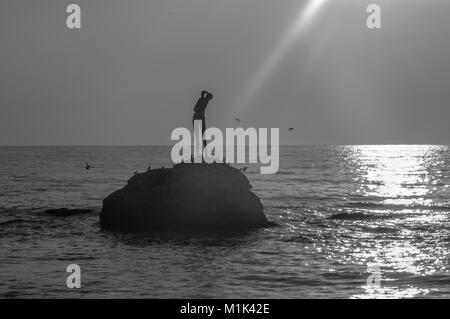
column 171, row 145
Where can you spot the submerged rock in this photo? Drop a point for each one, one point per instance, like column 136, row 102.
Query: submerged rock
column 187, row 196
column 64, row 212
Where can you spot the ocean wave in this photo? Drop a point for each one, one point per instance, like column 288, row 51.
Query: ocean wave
column 358, row 216
column 297, row 239
column 19, row 221
column 11, row 222
column 383, row 206
column 26, row 217
column 380, row 230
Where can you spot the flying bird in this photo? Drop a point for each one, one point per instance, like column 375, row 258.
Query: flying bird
column 237, row 120
column 291, row 129
column 88, row 166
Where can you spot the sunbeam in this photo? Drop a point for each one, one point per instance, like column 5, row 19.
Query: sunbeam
column 308, row 12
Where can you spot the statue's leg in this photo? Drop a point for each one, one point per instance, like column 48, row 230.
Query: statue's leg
column 203, row 131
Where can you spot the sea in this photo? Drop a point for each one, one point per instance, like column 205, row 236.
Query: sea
column 353, row 221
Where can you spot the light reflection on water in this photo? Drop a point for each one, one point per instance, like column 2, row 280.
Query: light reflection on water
column 411, row 180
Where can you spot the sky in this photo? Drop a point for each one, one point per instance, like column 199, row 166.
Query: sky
column 135, row 69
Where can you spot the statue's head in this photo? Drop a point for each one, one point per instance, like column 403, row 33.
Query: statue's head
column 206, row 95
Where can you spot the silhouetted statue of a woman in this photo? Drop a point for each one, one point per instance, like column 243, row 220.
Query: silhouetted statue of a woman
column 199, row 110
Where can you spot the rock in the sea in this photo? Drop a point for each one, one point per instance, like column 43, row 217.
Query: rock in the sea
column 187, row 196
